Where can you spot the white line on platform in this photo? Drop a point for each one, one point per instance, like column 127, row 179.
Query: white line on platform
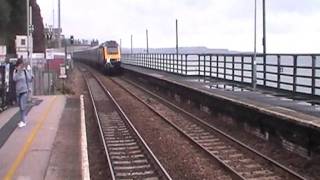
column 84, row 146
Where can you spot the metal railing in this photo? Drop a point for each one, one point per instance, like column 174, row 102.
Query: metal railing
column 296, row 73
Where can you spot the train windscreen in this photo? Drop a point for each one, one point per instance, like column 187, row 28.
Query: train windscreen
column 112, row 50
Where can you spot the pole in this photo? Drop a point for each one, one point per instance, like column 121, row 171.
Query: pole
column 31, row 38
column 28, row 29
column 59, row 23
column 264, row 41
column 177, row 38
column 65, row 51
column 31, row 50
column 177, row 44
column 254, row 68
column 264, row 28
column 131, row 45
column 147, row 36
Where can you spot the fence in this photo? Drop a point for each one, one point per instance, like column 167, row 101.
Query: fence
column 297, row 73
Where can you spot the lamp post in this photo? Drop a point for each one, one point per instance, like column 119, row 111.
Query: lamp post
column 177, row 45
column 48, row 38
column 177, row 39
column 264, row 42
column 254, row 64
column 264, row 27
column 147, row 39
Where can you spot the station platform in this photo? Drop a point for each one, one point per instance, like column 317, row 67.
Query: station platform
column 303, row 112
column 49, row 147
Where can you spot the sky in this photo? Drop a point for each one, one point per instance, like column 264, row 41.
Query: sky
column 292, row 25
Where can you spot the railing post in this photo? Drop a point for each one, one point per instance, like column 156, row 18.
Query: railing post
column 199, row 65
column 139, row 56
column 181, row 64
column 131, row 59
column 170, row 63
column 158, row 61
column 155, row 62
column 204, row 66
column 162, row 62
column 186, row 65
column 264, row 70
column 143, row 60
column 252, row 70
column 139, row 60
column 279, row 71
column 242, row 68
column 152, row 62
column 149, row 60
column 232, row 68
column 133, row 56
column 177, row 61
column 217, row 67
column 294, row 74
column 166, row 64
column 210, row 66
column 173, row 61
column 224, row 67
column 313, row 75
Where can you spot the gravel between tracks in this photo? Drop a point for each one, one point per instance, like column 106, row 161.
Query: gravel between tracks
column 308, row 168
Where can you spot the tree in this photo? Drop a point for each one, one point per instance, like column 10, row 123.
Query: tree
column 38, row 34
column 4, row 19
column 13, row 22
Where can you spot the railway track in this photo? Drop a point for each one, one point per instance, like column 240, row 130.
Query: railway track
column 128, row 155
column 240, row 160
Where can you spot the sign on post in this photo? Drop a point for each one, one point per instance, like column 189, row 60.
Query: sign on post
column 7, row 76
column 63, row 74
column 3, row 53
column 50, row 54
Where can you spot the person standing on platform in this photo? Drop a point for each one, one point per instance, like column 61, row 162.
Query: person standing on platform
column 22, row 78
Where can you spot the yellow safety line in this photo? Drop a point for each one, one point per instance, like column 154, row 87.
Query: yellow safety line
column 29, row 141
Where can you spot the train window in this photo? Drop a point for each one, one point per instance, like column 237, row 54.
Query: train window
column 112, row 50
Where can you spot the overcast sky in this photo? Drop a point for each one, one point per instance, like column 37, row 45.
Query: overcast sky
column 292, row 25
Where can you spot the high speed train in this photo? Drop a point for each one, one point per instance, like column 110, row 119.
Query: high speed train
column 106, row 57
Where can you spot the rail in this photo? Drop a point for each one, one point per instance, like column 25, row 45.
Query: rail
column 123, row 144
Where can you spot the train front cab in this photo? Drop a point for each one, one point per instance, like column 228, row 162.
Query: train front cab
column 112, row 57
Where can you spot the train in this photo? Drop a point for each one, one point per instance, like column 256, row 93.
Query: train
column 105, row 57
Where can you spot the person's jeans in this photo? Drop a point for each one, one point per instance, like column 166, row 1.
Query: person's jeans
column 22, row 100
